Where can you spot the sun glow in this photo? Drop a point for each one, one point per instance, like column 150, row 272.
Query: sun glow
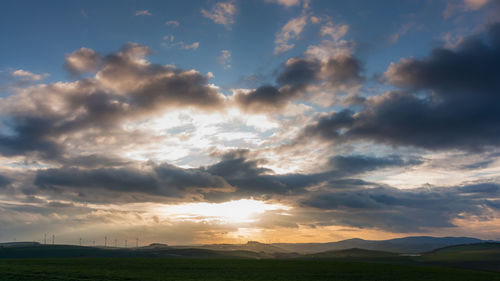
column 236, row 211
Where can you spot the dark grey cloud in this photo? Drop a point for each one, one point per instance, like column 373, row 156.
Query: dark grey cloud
column 126, row 180
column 235, row 176
column 448, row 100
column 32, row 134
column 336, row 72
column 401, row 210
column 162, row 180
column 4, row 181
column 357, row 164
column 251, row 180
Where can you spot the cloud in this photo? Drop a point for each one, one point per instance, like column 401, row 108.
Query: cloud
column 192, row 46
column 169, row 43
column 221, row 13
column 172, row 23
column 357, row 164
column 160, row 180
column 446, row 101
column 125, row 87
column 453, row 8
column 235, row 176
column 143, row 13
column 291, row 30
column 4, row 181
column 402, row 31
column 286, row 3
column 82, row 60
column 249, row 179
column 334, row 31
column 83, row 13
column 400, row 210
column 225, row 59
column 26, row 75
column 335, row 73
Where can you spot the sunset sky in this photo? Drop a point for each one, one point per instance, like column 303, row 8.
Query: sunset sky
column 186, row 122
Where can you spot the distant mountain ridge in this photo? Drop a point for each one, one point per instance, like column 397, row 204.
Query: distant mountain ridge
column 412, row 244
column 406, row 245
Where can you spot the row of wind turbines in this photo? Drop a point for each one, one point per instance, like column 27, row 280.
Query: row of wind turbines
column 80, row 241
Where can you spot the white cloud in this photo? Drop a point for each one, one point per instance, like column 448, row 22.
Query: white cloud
column 221, row 13
column 475, row 4
column 180, row 44
column 192, row 46
column 26, row 75
column 172, row 23
column 143, row 13
column 334, row 31
column 82, row 60
column 286, row 3
column 169, row 43
column 225, row 59
column 290, row 31
column 467, row 5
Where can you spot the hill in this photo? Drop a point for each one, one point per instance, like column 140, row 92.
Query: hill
column 70, row 251
column 417, row 244
column 477, row 256
column 355, row 253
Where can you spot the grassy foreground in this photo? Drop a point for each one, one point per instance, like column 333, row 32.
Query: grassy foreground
column 222, row 269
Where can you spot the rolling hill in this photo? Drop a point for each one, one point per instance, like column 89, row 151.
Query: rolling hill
column 417, row 244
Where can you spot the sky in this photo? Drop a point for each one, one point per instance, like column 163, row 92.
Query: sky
column 191, row 122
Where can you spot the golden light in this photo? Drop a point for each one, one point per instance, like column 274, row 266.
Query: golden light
column 236, row 211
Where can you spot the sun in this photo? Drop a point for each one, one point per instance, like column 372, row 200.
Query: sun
column 235, row 211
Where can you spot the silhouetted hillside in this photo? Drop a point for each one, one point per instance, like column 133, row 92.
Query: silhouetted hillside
column 416, row 244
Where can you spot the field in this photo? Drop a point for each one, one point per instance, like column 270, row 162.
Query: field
column 224, row 269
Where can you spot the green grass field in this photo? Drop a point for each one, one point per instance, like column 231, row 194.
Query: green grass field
column 224, row 269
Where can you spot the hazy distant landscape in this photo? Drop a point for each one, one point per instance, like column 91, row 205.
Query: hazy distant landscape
column 411, row 258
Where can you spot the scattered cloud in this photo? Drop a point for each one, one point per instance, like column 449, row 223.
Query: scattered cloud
column 143, row 13
column 401, row 31
column 290, row 31
column 445, row 101
column 169, row 43
column 286, row 3
column 454, row 7
column 83, row 13
column 334, row 31
column 26, row 75
column 172, row 23
column 221, row 13
column 225, row 59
